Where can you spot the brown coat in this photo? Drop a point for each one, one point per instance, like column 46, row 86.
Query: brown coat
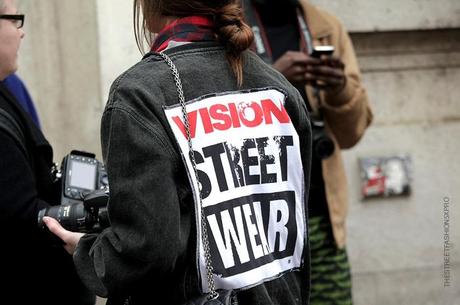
column 347, row 113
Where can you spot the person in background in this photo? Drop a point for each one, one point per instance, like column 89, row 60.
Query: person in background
column 251, row 140
column 19, row 90
column 33, row 269
column 286, row 33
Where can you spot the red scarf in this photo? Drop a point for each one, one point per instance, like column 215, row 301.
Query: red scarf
column 187, row 29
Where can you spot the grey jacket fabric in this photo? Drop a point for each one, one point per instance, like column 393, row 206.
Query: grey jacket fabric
column 149, row 252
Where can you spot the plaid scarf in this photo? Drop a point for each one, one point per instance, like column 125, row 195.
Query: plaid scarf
column 188, row 29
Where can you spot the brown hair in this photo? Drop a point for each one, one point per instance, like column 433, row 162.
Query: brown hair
column 230, row 29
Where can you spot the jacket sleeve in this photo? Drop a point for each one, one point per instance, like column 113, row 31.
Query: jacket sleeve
column 146, row 234
column 19, row 202
column 347, row 112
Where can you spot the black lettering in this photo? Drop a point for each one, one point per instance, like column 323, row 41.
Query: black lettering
column 214, row 151
column 237, row 171
column 205, row 183
column 251, row 231
column 264, row 161
column 284, row 141
column 249, row 161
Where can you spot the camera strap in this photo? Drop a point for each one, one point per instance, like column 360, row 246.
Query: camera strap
column 207, row 252
column 262, row 45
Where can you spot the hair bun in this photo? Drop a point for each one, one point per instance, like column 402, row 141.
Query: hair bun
column 231, row 30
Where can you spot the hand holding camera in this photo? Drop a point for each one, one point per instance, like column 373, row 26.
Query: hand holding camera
column 84, row 196
column 70, row 239
column 70, row 222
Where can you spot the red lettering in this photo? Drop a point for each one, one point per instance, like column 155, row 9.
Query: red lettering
column 270, row 108
column 206, row 120
column 244, row 112
column 217, row 113
column 234, row 115
column 192, row 121
column 219, row 117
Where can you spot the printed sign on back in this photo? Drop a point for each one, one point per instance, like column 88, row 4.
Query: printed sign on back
column 248, row 160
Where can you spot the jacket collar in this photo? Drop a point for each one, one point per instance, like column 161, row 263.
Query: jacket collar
column 188, row 47
column 319, row 26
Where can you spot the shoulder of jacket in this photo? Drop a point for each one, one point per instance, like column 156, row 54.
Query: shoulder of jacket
column 133, row 80
column 137, row 70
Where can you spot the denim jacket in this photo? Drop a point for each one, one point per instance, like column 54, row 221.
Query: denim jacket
column 149, row 252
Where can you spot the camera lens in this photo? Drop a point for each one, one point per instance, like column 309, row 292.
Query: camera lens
column 323, row 147
column 71, row 217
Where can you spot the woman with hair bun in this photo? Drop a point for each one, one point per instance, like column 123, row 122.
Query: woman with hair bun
column 200, row 129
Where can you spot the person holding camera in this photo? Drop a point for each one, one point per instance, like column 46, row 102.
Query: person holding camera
column 208, row 152
column 33, row 269
column 298, row 38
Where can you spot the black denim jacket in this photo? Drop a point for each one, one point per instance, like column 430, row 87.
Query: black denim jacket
column 149, row 251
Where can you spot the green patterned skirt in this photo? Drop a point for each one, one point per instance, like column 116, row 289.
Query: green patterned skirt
column 330, row 269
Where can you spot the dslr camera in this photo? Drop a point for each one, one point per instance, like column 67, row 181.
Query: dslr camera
column 323, row 147
column 84, row 194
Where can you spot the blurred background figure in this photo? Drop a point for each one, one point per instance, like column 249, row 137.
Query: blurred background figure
column 286, row 33
column 34, row 270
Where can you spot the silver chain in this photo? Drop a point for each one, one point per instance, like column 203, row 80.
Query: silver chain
column 207, row 252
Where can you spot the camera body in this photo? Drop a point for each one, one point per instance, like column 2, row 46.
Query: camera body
column 323, row 146
column 84, row 194
column 81, row 173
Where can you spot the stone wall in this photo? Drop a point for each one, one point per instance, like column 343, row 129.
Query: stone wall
column 60, row 65
column 396, row 245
